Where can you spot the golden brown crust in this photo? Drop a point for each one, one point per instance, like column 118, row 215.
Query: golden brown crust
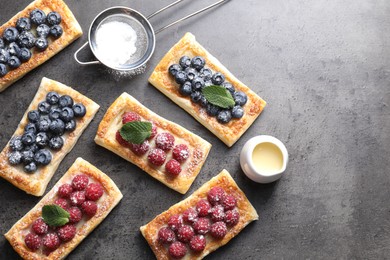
column 223, row 180
column 71, row 31
column 105, row 204
column 36, row 183
column 160, row 78
column 198, row 147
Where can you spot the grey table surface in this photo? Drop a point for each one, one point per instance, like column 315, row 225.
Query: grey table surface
column 323, row 67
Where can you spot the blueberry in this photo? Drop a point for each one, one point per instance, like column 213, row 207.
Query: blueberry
column 23, row 24
column 33, row 116
column 79, row 110
column 15, row 158
column 206, row 74
column 44, row 107
column 229, row 87
column 32, row 148
column 41, row 44
column 4, row 56
column 44, row 124
column 41, row 139
column 237, row 112
column 70, row 126
column 67, row 114
column 53, row 18
column 54, row 113
column 13, row 49
column 185, row 62
column 198, row 84
column 43, row 157
column 10, row 34
column 26, row 40
column 224, row 116
column 203, row 101
column 3, row 70
column 212, row 110
column 180, row 77
column 25, row 54
column 43, row 30
column 27, row 156
column 240, row 98
column 196, row 96
column 218, row 78
column 14, row 62
column 52, row 97
column 37, row 16
column 56, row 31
column 65, row 101
column 174, row 68
column 28, row 138
column 191, row 73
column 30, row 127
column 57, row 127
column 198, row 62
column 16, row 143
column 185, row 89
column 31, row 167
column 56, row 143
column 2, row 44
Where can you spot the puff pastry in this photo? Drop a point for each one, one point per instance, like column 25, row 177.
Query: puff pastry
column 71, row 31
column 223, row 180
column 160, row 78
column 106, row 203
column 36, row 183
column 112, row 122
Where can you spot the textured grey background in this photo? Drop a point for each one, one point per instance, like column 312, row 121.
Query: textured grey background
column 323, row 66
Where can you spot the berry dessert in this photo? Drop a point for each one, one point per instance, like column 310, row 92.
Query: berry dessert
column 33, row 36
column 196, row 81
column 203, row 222
column 165, row 150
column 43, row 139
column 52, row 232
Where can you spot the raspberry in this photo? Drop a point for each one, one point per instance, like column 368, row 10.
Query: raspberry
column 94, row 191
column 65, row 190
column 40, row 227
column 173, row 167
column 165, row 141
column 190, row 215
column 218, row 229
column 217, row 213
column 157, row 157
column 202, row 226
column 63, row 203
column 75, row 214
column 177, row 250
column 185, row 233
column 33, row 241
column 203, row 207
column 175, row 222
column 166, row 235
column 67, row 232
column 140, row 149
column 51, row 241
column 120, row 140
column 89, row 208
column 77, row 198
column 229, row 202
column 130, row 117
column 198, row 243
column 180, row 152
column 232, row 217
column 154, row 131
column 80, row 182
column 216, row 195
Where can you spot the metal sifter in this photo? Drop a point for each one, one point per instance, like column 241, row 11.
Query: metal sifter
column 146, row 36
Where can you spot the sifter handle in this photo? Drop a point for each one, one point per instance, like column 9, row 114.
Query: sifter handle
column 84, row 62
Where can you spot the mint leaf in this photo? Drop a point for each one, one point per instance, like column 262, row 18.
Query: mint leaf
column 219, row 96
column 54, row 215
column 136, row 132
